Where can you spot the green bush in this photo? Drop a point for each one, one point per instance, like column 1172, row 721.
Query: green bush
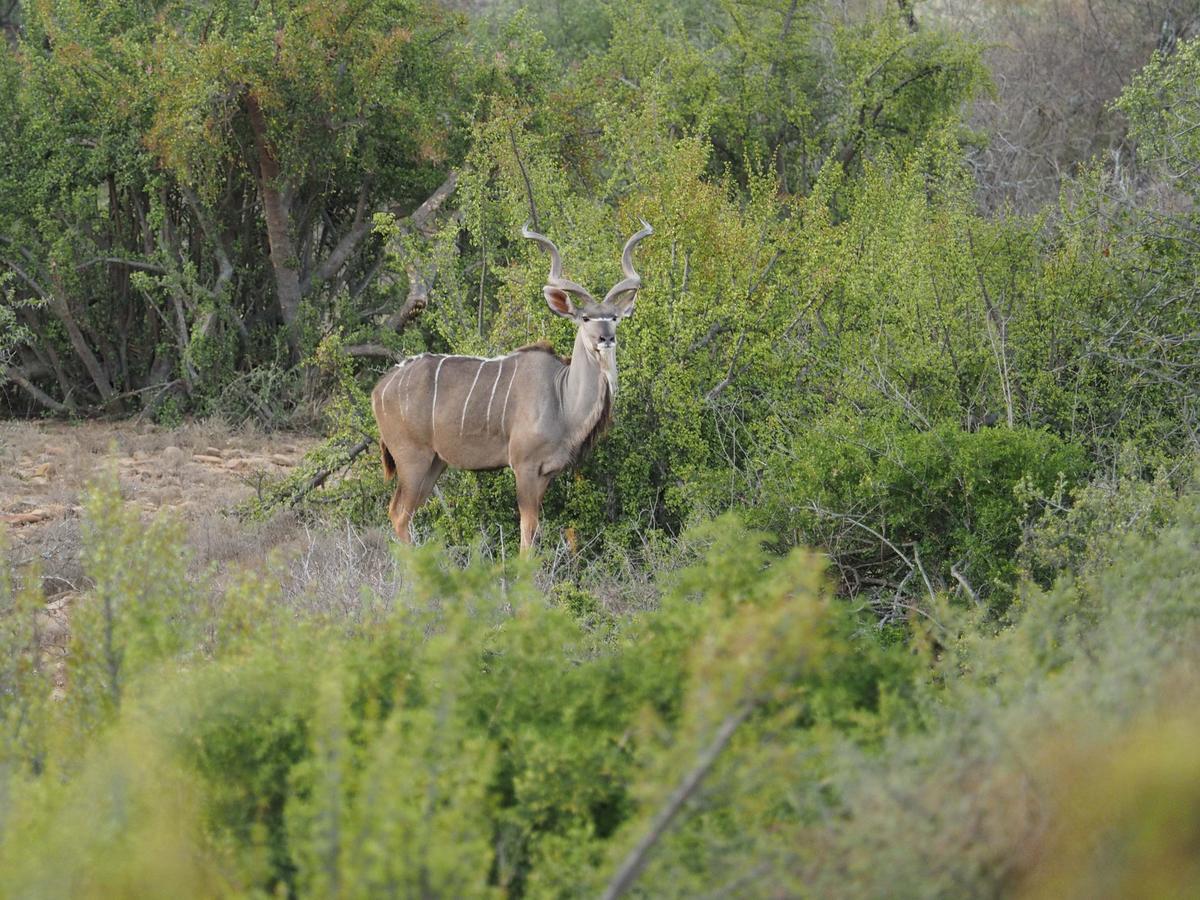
column 477, row 739
column 482, row 738
column 913, row 508
column 828, row 321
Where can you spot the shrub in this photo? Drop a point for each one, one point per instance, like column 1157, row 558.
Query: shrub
column 919, row 512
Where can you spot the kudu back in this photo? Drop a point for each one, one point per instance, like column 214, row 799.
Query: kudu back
column 529, row 409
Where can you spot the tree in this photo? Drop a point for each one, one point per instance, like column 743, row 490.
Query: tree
column 216, row 135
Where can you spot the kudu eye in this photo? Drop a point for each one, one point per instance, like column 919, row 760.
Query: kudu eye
column 587, row 318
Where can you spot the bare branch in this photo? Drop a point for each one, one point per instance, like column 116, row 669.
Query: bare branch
column 420, row 218
column 966, row 585
column 701, row 342
column 533, row 216
column 372, row 351
column 419, row 283
column 320, row 476
column 19, row 377
column 633, row 864
column 359, row 228
column 119, row 261
column 222, row 253
column 417, row 300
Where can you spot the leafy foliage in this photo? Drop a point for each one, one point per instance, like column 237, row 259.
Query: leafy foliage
column 820, row 288
column 470, row 737
column 189, row 190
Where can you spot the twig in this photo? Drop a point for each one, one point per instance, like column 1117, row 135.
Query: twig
column 633, row 864
column 512, row 136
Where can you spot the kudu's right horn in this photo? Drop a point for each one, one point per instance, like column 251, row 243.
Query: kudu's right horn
column 555, row 278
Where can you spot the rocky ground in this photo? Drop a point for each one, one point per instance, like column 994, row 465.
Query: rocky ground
column 46, row 466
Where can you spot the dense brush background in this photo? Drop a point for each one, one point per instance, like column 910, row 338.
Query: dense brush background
column 886, row 581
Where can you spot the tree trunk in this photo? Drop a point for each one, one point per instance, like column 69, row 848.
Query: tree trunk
column 18, row 377
column 277, row 211
column 58, row 305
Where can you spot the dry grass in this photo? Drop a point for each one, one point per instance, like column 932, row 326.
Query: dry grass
column 199, row 473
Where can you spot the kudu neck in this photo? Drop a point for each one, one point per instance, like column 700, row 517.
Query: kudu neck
column 585, row 387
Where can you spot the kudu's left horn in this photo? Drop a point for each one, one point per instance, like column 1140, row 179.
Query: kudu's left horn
column 632, row 280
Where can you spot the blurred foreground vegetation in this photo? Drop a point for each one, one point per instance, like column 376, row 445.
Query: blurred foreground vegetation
column 745, row 734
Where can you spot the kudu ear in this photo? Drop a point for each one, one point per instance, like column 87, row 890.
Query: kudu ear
column 623, row 304
column 559, row 302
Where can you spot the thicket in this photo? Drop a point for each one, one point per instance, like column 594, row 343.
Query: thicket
column 225, row 209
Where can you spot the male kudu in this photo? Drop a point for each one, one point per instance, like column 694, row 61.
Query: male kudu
column 528, row 410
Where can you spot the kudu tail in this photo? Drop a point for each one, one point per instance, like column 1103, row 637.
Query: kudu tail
column 389, row 464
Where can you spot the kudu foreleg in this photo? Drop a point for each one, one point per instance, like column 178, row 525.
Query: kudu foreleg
column 531, row 488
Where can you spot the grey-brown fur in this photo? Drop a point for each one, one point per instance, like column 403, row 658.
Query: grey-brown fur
column 529, row 409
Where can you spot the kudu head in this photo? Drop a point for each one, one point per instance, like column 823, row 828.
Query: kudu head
column 596, row 320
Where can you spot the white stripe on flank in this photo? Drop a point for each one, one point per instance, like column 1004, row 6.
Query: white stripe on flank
column 463, row 422
column 433, row 408
column 386, row 385
column 398, row 383
column 408, row 395
column 504, row 414
column 487, row 428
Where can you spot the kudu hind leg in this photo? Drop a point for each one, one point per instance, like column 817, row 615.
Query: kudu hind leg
column 416, row 474
column 531, row 488
column 399, row 518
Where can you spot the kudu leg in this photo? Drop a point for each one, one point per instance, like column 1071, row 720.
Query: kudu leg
column 400, row 518
column 531, row 488
column 416, row 474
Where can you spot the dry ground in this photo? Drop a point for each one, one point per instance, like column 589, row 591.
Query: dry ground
column 44, row 466
column 198, row 472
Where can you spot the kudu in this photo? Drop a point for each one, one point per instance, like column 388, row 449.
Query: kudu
column 529, row 410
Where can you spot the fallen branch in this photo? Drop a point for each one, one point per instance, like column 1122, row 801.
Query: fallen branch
column 321, row 475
